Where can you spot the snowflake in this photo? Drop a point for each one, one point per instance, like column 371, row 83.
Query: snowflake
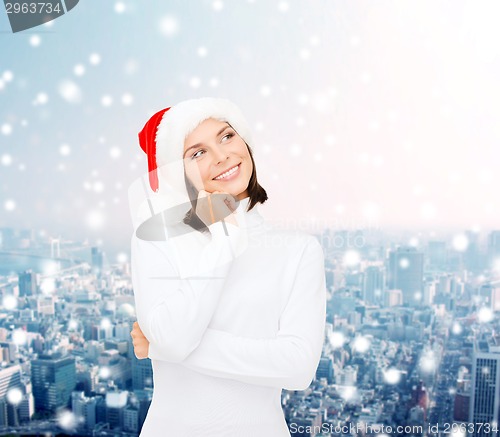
column 95, row 58
column 460, row 242
column 122, row 257
column 19, row 337
column 131, row 66
column 404, row 263
column 104, row 372
column 9, row 302
column 9, row 205
column 14, row 396
column 6, row 129
column 64, row 150
column 50, row 268
column 351, row 258
column 348, row 393
column 202, row 51
column 48, row 286
column 106, row 100
column 295, row 150
column 371, row 211
column 98, row 187
column 427, row 211
column 169, row 26
column 6, row 159
column 304, row 54
column 392, row 376
column 7, row 76
column 95, row 219
column 283, row 6
column 361, row 344
column 70, row 91
column 41, row 99
column 265, row 90
column 35, row 40
column 314, row 40
column 195, row 82
column 337, row 339
column 218, row 5
column 456, row 328
column 457, row 431
column 119, row 7
column 115, row 152
column 339, row 209
column 485, row 315
column 79, row 70
column 127, row 99
column 67, row 420
column 106, row 323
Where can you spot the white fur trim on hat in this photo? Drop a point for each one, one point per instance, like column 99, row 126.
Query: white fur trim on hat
column 180, row 120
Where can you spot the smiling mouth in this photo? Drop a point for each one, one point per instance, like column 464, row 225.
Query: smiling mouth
column 232, row 170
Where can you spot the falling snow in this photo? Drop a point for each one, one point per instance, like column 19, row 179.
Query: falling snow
column 70, row 91
column 169, row 26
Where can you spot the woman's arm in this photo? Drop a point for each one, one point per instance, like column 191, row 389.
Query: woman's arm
column 173, row 306
column 288, row 360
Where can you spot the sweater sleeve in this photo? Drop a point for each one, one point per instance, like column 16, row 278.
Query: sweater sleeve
column 177, row 284
column 290, row 359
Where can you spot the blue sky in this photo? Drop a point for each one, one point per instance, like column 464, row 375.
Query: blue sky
column 368, row 112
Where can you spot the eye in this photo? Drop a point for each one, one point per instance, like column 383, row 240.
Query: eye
column 229, row 135
column 194, row 154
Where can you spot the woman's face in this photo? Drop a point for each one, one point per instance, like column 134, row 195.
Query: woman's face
column 212, row 149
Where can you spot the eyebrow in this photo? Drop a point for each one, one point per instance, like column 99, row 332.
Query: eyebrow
column 199, row 144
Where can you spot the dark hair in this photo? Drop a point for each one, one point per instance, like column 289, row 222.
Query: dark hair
column 255, row 192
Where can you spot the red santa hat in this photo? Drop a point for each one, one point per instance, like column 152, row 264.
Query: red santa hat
column 163, row 135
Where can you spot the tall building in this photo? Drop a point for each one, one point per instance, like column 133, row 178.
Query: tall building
column 27, row 283
column 473, row 256
column 85, row 408
column 406, row 273
column 131, row 418
column 53, row 378
column 485, row 384
column 142, row 373
column 10, row 377
column 393, row 298
column 489, row 295
column 436, row 251
column 116, row 402
column 493, row 246
column 97, row 261
column 325, row 369
column 373, row 285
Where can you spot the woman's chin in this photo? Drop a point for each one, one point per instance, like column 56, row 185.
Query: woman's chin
column 233, row 189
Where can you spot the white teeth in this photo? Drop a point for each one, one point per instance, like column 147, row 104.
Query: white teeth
column 227, row 173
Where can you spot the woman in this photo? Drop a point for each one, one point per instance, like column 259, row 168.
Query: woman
column 223, row 343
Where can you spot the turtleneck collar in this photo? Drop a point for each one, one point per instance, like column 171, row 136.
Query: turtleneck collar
column 248, row 219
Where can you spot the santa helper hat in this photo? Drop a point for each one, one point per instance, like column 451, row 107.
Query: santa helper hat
column 163, row 135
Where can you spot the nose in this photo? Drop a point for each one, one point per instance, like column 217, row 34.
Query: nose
column 220, row 155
